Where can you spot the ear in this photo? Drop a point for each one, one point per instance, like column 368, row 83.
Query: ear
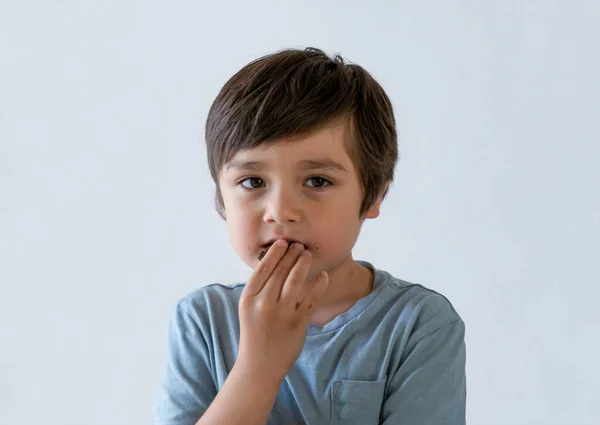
column 373, row 211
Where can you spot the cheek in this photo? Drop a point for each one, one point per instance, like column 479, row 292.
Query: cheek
column 336, row 236
column 336, row 226
column 239, row 226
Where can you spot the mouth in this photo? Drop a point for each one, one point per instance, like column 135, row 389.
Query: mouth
column 268, row 245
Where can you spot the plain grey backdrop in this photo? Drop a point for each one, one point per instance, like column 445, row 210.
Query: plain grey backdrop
column 106, row 214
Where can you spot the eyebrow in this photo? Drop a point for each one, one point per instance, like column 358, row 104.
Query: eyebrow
column 326, row 163
column 245, row 165
column 307, row 164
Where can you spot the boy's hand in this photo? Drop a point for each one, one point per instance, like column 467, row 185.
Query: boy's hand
column 274, row 309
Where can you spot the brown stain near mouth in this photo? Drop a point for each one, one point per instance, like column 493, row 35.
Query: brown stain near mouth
column 263, row 252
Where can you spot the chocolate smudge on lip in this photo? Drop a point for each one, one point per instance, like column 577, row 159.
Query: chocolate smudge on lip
column 262, row 253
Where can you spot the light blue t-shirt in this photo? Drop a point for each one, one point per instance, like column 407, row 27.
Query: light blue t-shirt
column 396, row 357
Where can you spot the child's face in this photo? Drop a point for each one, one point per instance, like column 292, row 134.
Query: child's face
column 306, row 190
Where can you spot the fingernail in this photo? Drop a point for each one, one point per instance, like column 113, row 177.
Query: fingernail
column 298, row 245
column 281, row 242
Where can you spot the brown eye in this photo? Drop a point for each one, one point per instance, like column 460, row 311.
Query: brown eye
column 252, row 183
column 318, row 182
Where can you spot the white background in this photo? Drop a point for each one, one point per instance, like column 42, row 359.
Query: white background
column 106, row 214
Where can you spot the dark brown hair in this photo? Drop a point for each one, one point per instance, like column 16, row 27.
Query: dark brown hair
column 293, row 92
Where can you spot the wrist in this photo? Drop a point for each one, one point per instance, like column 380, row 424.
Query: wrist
column 262, row 380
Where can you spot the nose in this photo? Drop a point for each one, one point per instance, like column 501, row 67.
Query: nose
column 282, row 207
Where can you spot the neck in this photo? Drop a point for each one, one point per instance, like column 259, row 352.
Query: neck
column 348, row 282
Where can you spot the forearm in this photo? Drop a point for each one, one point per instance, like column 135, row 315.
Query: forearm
column 245, row 398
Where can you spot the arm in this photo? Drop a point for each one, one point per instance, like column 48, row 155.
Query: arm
column 273, row 325
column 245, row 399
column 187, row 386
column 188, row 394
column 429, row 387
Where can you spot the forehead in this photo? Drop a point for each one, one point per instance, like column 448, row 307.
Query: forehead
column 329, row 142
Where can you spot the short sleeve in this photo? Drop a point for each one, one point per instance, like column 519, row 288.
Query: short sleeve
column 187, row 387
column 429, row 387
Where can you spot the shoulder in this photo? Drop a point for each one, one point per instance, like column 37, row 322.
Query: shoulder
column 208, row 305
column 211, row 294
column 421, row 309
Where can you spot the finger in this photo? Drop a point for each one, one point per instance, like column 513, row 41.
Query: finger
column 265, row 267
column 316, row 294
column 308, row 286
column 272, row 288
column 296, row 281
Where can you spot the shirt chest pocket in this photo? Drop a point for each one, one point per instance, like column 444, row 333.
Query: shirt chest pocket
column 356, row 402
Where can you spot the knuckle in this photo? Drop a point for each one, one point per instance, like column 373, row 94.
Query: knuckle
column 289, row 314
column 245, row 302
column 261, row 268
column 263, row 305
column 294, row 279
column 279, row 274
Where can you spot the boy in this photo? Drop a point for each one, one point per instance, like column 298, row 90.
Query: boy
column 302, row 148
